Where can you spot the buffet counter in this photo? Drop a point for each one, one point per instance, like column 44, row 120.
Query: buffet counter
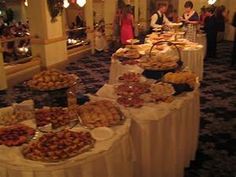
column 165, row 135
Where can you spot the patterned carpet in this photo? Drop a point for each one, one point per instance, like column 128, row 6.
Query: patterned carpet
column 217, row 142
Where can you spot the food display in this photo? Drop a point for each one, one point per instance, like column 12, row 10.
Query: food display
column 184, row 77
column 100, row 114
column 15, row 135
column 159, row 92
column 130, row 77
column 54, row 116
column 53, row 147
column 52, row 80
column 130, row 62
column 132, row 89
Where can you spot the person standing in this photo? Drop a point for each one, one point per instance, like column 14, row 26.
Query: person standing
column 210, row 29
column 159, row 18
column 190, row 19
column 234, row 46
column 221, row 16
column 127, row 23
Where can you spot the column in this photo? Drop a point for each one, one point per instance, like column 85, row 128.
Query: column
column 89, row 22
column 136, row 16
column 3, row 79
column 143, row 18
column 109, row 15
column 50, row 43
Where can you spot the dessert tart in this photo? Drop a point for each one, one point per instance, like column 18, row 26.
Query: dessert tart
column 54, row 147
column 15, row 135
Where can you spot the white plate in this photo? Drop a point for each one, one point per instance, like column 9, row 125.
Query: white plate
column 102, row 133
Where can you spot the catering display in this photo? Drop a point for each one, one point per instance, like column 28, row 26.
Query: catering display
column 53, row 147
column 128, row 52
column 100, row 114
column 52, row 80
column 15, row 135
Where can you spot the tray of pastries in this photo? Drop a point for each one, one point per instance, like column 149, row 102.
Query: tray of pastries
column 159, row 92
column 54, row 118
column 54, row 147
column 129, row 53
column 181, row 81
column 130, row 77
column 52, row 80
column 15, row 135
column 134, row 101
column 132, row 89
column 100, row 114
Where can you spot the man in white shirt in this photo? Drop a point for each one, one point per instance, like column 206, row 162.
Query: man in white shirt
column 159, row 18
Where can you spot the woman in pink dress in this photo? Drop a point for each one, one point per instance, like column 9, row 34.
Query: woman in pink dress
column 127, row 25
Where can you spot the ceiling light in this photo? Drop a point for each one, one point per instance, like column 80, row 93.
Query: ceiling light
column 81, row 3
column 211, row 2
column 66, row 3
column 26, row 3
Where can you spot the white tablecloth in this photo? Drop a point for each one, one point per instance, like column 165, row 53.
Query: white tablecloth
column 193, row 59
column 110, row 158
column 201, row 39
column 165, row 135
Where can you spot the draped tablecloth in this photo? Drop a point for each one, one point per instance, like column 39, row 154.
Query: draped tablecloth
column 109, row 158
column 201, row 39
column 193, row 59
column 165, row 135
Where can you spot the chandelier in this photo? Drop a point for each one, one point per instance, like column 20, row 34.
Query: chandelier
column 81, row 3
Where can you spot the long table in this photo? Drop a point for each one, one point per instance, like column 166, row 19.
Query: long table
column 165, row 135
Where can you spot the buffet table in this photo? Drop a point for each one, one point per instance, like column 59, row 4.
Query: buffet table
column 193, row 59
column 106, row 159
column 165, row 135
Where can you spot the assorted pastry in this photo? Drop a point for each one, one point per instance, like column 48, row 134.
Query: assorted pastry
column 52, row 80
column 15, row 135
column 131, row 53
column 58, row 146
column 159, row 92
column 159, row 63
column 55, row 116
column 134, row 101
column 130, row 77
column 130, row 62
column 132, row 89
column 184, row 77
column 99, row 114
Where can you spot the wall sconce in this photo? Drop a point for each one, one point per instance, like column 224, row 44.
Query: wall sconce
column 81, row 3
